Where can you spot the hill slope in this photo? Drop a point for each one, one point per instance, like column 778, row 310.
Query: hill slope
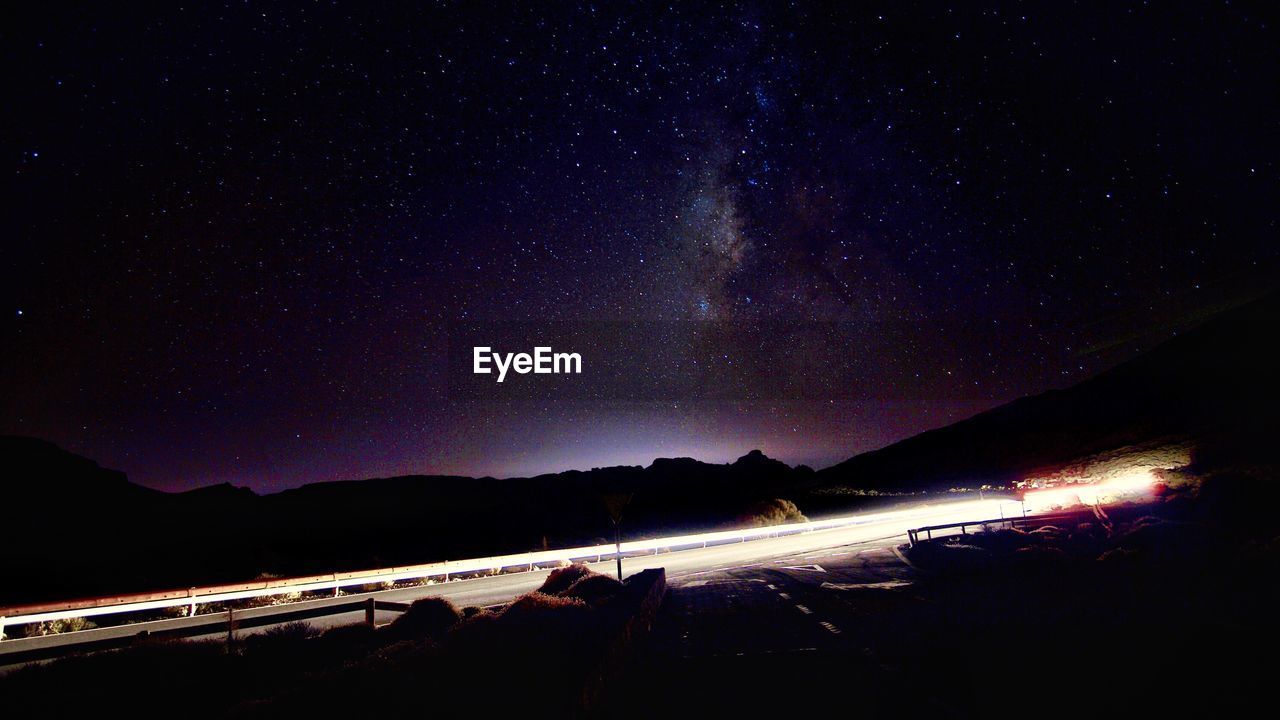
column 1215, row 387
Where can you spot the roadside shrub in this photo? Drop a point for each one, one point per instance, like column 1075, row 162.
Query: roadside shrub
column 594, row 589
column 540, row 602
column 174, row 672
column 278, row 637
column 1051, row 533
column 297, row 630
column 1165, row 542
column 57, row 627
column 772, row 512
column 427, row 617
column 1038, row 559
column 286, row 645
column 948, row 557
column 346, row 642
column 1009, row 540
column 561, row 579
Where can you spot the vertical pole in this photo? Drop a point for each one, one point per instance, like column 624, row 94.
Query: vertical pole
column 1, row 627
column 231, row 627
column 617, row 546
column 370, row 612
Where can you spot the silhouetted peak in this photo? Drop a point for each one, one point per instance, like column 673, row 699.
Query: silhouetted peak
column 679, row 463
column 38, row 471
column 221, row 491
column 755, row 457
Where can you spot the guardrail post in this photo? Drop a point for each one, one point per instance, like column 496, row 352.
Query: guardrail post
column 1, row 627
column 192, row 594
column 370, row 612
column 231, row 626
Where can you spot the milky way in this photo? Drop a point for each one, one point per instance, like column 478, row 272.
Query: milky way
column 235, row 236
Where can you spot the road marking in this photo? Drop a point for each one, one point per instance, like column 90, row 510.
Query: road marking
column 904, row 559
column 784, row 596
column 772, row 586
column 702, row 583
column 825, row 555
column 804, row 609
column 806, row 568
column 886, row 585
column 832, row 628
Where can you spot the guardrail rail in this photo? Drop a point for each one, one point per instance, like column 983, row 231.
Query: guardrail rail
column 913, row 535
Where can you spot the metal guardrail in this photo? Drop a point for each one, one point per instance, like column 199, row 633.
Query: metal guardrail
column 142, row 602
column 228, row 622
column 194, row 624
column 913, row 535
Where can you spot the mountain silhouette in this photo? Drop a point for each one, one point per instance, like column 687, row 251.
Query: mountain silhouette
column 74, row 528
column 91, row 531
column 1213, row 388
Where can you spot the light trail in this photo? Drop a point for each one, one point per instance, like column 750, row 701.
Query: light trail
column 1130, row 485
column 833, row 531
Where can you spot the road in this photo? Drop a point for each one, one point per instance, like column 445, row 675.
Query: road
column 805, row 632
column 882, row 531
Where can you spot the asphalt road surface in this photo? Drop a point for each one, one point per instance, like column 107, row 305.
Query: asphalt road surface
column 805, row 632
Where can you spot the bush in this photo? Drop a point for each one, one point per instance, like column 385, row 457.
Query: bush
column 1168, row 542
column 562, row 579
column 297, row 630
column 1037, row 559
column 427, row 617
column 594, row 589
column 772, row 512
column 57, row 627
column 174, row 672
column 539, row 602
column 346, row 642
column 282, row 645
column 952, row 558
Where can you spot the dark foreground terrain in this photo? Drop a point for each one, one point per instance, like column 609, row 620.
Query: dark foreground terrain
column 1163, row 608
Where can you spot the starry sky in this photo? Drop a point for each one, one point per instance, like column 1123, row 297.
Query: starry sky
column 236, row 238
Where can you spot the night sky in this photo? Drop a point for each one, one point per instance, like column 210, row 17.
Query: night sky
column 235, row 238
